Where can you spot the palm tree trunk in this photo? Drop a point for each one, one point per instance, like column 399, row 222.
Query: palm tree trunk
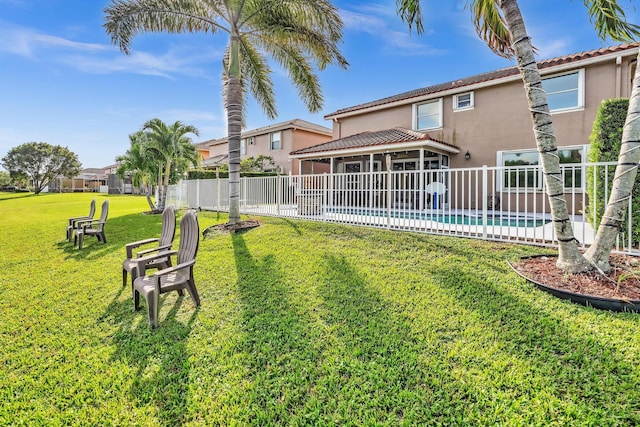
column 624, row 178
column 160, row 206
column 569, row 257
column 165, row 185
column 234, row 129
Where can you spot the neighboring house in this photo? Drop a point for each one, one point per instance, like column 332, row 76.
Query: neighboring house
column 276, row 141
column 89, row 180
column 476, row 121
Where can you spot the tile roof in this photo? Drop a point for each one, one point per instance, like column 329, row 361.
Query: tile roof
column 290, row 124
column 485, row 77
column 370, row 139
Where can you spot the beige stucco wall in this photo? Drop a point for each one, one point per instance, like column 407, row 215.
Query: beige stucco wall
column 500, row 118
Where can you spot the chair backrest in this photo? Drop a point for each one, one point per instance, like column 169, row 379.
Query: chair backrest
column 189, row 237
column 92, row 209
column 168, row 226
column 103, row 214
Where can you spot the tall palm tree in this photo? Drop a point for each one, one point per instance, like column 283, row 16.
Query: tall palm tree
column 173, row 146
column 500, row 24
column 297, row 34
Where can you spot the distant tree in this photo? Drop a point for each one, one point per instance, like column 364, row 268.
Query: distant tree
column 261, row 163
column 41, row 163
column 173, row 147
column 5, row 179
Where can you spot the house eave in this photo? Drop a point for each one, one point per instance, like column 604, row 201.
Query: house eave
column 480, row 85
column 376, row 149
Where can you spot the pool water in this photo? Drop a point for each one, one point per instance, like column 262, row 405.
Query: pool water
column 463, row 219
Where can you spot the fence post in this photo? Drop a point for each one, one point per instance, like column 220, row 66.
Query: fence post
column 485, row 186
column 278, row 193
column 389, row 185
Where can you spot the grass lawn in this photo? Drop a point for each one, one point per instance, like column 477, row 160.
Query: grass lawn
column 301, row 323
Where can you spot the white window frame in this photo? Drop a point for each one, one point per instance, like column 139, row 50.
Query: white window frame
column 271, row 141
column 456, row 102
column 540, row 177
column 580, row 88
column 414, row 112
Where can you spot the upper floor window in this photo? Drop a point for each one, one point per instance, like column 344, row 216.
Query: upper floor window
column 276, row 143
column 243, row 146
column 463, row 101
column 428, row 115
column 565, row 92
column 523, row 170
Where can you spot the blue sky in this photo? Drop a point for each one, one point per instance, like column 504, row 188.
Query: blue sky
column 62, row 82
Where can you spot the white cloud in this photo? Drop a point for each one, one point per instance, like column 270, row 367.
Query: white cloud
column 97, row 58
column 377, row 21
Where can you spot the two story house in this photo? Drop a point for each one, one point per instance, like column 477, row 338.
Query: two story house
column 475, row 121
column 275, row 141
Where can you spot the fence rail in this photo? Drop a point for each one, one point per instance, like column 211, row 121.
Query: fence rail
column 491, row 203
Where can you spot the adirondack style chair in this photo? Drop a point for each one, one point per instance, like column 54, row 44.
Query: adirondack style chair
column 164, row 243
column 92, row 227
column 175, row 278
column 73, row 221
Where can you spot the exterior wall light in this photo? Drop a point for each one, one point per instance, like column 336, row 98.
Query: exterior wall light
column 467, row 155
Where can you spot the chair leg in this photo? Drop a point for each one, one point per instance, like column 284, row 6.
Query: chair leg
column 136, row 300
column 80, row 237
column 124, row 278
column 153, row 302
column 193, row 292
column 104, row 238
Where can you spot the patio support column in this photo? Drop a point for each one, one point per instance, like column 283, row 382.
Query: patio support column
column 421, row 180
column 330, row 202
column 371, row 189
column 299, row 166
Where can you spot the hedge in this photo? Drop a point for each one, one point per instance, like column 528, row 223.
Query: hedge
column 606, row 138
column 208, row 174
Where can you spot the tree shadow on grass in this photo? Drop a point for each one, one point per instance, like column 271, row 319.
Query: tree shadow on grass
column 279, row 341
column 559, row 355
column 159, row 358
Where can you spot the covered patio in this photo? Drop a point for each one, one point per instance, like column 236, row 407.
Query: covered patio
column 355, row 163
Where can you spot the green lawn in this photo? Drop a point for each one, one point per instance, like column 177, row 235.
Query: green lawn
column 301, row 323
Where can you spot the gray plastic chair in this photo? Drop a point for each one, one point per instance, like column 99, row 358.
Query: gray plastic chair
column 176, row 278
column 165, row 241
column 92, row 227
column 73, row 221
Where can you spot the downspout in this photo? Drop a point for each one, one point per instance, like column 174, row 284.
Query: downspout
column 619, row 77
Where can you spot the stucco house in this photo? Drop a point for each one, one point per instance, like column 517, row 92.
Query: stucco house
column 276, row 140
column 475, row 121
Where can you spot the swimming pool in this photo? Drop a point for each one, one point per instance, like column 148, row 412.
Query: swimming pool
column 502, row 220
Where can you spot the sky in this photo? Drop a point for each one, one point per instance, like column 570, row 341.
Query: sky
column 64, row 83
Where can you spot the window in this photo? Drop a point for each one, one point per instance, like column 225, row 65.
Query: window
column 463, row 101
column 565, row 92
column 250, row 139
column 276, row 144
column 243, row 147
column 428, row 115
column 522, row 170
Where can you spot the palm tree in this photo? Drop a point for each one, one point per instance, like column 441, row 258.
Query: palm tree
column 297, row 34
column 173, row 147
column 500, row 24
column 138, row 162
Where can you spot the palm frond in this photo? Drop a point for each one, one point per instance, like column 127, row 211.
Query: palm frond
column 491, row 27
column 610, row 20
column 411, row 13
column 257, row 74
column 126, row 18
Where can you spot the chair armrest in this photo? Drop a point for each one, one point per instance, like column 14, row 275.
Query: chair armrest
column 158, row 274
column 150, row 250
column 131, row 246
column 72, row 221
column 145, row 260
column 87, row 224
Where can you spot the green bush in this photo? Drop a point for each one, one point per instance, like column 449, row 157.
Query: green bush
column 208, row 174
column 606, row 138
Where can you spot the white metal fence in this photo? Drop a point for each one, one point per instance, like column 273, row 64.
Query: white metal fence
column 494, row 203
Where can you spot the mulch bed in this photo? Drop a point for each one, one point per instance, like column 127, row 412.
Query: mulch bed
column 543, row 270
column 227, row 228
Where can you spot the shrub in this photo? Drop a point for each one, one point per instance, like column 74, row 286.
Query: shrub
column 207, row 174
column 606, row 138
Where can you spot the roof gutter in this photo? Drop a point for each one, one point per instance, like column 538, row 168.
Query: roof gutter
column 385, row 148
